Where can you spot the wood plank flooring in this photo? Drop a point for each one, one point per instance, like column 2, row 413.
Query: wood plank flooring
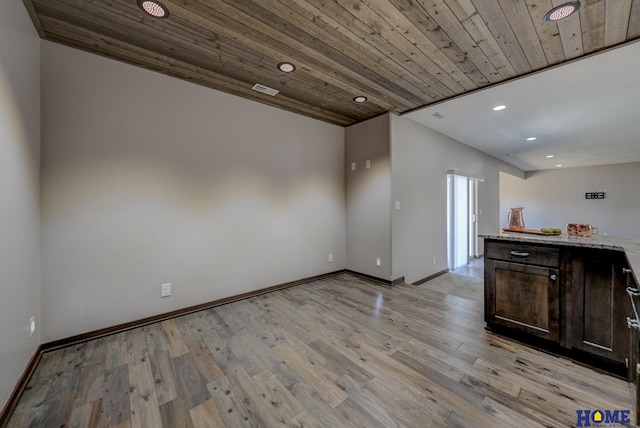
column 339, row 352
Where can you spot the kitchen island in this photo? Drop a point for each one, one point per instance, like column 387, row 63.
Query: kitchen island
column 576, row 296
column 569, row 291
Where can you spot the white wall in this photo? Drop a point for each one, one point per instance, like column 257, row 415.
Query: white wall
column 420, row 158
column 148, row 179
column 368, row 193
column 553, row 198
column 20, row 285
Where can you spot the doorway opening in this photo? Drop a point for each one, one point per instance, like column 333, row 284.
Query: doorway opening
column 462, row 218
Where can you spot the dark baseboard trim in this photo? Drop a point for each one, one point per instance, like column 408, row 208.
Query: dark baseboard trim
column 430, row 277
column 73, row 340
column 12, row 402
column 376, row 279
column 397, row 281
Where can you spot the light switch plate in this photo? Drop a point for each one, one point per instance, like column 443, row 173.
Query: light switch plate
column 397, row 205
column 367, row 164
column 353, row 166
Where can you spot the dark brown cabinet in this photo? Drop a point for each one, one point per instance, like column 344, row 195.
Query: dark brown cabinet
column 522, row 289
column 598, row 304
column 574, row 297
column 633, row 365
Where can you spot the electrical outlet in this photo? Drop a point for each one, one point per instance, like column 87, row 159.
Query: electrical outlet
column 330, row 257
column 32, row 326
column 378, row 262
column 165, row 290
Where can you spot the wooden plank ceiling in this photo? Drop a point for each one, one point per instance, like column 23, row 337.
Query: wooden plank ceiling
column 400, row 54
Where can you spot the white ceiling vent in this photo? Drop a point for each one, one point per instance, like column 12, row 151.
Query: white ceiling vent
column 438, row 115
column 265, row 89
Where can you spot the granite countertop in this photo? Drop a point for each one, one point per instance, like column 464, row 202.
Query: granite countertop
column 630, row 246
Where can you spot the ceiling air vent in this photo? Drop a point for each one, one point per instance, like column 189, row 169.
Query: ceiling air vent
column 265, row 89
column 437, row 116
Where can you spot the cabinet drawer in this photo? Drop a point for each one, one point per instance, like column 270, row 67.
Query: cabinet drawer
column 523, row 253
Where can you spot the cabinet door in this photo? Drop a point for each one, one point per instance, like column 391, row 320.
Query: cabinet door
column 634, row 354
column 523, row 297
column 599, row 305
column 633, row 373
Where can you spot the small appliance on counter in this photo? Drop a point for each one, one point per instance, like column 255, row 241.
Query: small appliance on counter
column 586, row 230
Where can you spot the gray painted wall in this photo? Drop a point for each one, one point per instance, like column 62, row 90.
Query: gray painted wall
column 20, row 285
column 148, row 179
column 420, row 158
column 553, row 198
column 368, row 193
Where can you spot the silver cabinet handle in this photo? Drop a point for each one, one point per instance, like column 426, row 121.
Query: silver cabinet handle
column 519, row 254
column 553, row 277
column 626, row 270
column 633, row 291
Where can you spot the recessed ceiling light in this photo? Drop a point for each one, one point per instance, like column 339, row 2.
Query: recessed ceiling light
column 562, row 11
column 360, row 99
column 154, row 8
column 531, row 138
column 286, row 67
column 549, row 156
column 558, row 165
column 508, row 154
column 498, row 108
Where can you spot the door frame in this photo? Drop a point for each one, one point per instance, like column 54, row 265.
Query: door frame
column 471, row 241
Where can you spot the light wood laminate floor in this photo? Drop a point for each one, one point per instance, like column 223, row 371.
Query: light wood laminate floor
column 331, row 353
